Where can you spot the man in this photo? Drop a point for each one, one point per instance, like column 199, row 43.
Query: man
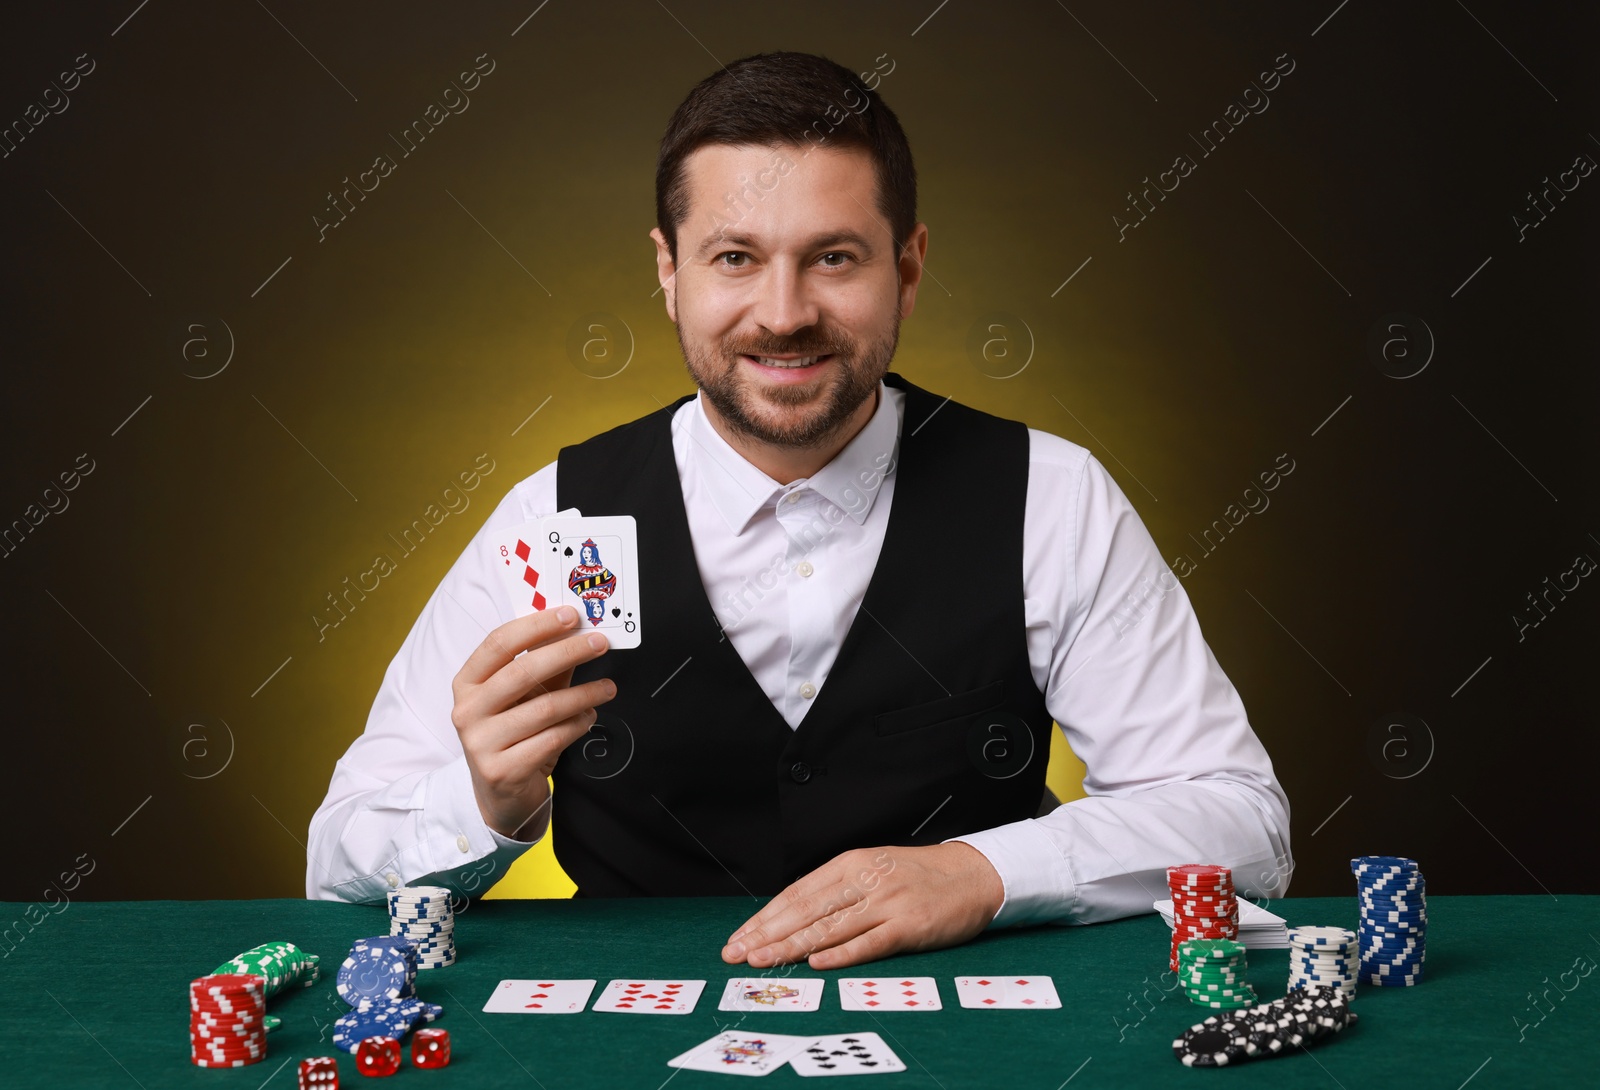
column 866, row 606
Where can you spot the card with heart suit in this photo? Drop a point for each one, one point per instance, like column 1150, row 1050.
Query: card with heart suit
column 744, row 993
column 592, row 564
column 847, row 1054
column 739, row 1053
column 540, row 997
column 650, row 996
column 1008, row 992
column 877, row 994
column 514, row 554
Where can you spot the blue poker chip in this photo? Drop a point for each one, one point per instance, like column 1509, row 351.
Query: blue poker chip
column 353, row 1027
column 377, row 970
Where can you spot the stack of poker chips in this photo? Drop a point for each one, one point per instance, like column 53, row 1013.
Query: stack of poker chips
column 225, row 1020
column 423, row 915
column 1323, row 957
column 1212, row 973
column 1300, row 1019
column 1203, row 905
column 379, row 981
column 1394, row 920
column 280, row 964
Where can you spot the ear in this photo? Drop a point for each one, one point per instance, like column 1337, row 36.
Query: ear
column 666, row 273
column 910, row 260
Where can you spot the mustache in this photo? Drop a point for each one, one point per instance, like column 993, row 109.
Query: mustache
column 788, row 350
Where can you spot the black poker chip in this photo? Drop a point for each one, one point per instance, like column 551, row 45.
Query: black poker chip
column 1298, row 1020
column 1215, row 1045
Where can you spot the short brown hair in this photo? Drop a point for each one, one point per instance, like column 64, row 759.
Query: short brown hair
column 792, row 99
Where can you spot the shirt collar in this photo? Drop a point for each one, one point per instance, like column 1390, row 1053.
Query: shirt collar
column 851, row 481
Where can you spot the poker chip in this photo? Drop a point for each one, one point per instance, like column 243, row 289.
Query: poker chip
column 394, row 1020
column 1323, row 957
column 1301, row 1018
column 279, row 964
column 1212, row 974
column 380, row 968
column 1213, row 1044
column 425, row 916
column 227, row 1019
column 1203, row 905
column 1392, row 896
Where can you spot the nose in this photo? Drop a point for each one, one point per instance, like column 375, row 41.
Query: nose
column 784, row 304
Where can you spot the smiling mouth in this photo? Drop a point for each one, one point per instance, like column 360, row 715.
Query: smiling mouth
column 799, row 363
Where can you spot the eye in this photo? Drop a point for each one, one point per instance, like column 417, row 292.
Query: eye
column 731, row 253
column 839, row 254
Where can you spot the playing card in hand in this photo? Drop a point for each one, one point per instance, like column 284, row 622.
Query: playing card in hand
column 592, row 564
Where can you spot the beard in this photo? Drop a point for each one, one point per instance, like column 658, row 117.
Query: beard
column 852, row 375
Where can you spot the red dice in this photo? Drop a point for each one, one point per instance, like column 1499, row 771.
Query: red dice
column 430, row 1048
column 319, row 1073
column 378, row 1056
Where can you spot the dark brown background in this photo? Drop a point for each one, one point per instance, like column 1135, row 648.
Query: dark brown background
column 376, row 365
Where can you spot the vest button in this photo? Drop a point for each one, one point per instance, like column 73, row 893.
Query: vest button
column 799, row 772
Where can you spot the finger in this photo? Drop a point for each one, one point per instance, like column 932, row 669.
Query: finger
column 539, row 714
column 878, row 943
column 793, row 908
column 534, row 755
column 511, row 639
column 831, row 929
column 537, row 671
column 805, row 909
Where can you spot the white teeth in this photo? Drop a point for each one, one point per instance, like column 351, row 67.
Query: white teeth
column 806, row 361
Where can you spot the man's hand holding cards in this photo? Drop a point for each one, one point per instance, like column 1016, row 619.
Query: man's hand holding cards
column 574, row 589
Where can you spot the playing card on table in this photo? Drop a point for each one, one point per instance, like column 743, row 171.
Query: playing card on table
column 846, row 1054
column 592, row 564
column 744, row 993
column 539, row 997
column 911, row 993
column 1008, row 992
column 650, row 996
column 737, row 1053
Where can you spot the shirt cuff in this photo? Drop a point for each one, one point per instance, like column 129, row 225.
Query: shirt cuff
column 1038, row 882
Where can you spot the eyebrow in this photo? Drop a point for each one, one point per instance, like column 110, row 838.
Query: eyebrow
column 816, row 242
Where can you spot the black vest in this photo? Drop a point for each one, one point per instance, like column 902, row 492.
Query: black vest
column 929, row 724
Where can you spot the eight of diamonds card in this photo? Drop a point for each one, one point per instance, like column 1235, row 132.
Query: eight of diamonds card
column 1008, row 992
column 911, row 993
column 650, row 996
column 539, row 997
column 593, row 564
column 847, row 1054
column 736, row 1053
column 514, row 554
column 745, row 993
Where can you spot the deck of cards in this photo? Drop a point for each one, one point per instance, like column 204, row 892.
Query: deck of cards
column 591, row 564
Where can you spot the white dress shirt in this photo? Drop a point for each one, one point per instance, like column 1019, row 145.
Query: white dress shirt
column 1174, row 772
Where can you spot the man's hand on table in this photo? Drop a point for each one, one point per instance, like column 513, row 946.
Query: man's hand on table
column 516, row 714
column 872, row 903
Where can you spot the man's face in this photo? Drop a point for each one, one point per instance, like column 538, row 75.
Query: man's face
column 798, row 263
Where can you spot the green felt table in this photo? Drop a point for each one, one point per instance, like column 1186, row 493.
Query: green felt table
column 96, row 996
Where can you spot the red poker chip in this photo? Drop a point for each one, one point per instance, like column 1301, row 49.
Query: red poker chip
column 212, row 1048
column 226, row 1053
column 244, row 1061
